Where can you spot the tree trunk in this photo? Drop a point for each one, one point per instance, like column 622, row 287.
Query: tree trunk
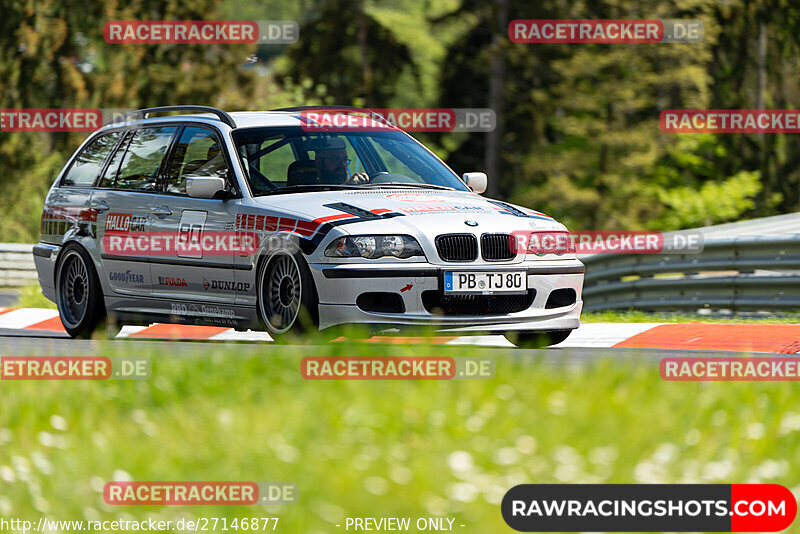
column 496, row 86
column 366, row 69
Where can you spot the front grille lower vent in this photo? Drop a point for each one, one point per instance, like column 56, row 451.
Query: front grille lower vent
column 439, row 304
column 457, row 247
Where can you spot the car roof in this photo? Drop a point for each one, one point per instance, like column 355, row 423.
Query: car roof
column 242, row 119
column 248, row 119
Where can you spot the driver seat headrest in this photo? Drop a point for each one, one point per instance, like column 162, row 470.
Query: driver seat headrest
column 303, row 172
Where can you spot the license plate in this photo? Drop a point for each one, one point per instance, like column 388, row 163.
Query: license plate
column 485, row 282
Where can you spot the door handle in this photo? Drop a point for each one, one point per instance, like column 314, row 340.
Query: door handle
column 161, row 211
column 98, row 205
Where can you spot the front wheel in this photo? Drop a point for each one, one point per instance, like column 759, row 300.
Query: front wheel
column 79, row 297
column 537, row 340
column 287, row 298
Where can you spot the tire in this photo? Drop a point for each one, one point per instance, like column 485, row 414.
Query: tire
column 537, row 340
column 287, row 297
column 79, row 295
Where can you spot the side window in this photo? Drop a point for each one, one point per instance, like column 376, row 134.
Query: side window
column 87, row 165
column 138, row 170
column 199, row 153
column 113, row 166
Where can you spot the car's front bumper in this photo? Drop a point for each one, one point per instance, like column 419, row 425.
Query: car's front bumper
column 339, row 286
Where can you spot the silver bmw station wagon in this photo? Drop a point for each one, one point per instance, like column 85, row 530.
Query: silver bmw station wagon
column 254, row 220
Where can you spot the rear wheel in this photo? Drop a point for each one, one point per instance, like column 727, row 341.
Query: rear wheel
column 79, row 296
column 287, row 298
column 537, row 340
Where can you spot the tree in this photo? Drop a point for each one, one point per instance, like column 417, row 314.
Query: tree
column 52, row 55
column 583, row 140
column 346, row 56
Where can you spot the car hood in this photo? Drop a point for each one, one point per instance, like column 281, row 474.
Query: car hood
column 428, row 211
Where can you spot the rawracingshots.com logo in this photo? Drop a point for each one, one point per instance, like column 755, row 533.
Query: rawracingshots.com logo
column 649, row 508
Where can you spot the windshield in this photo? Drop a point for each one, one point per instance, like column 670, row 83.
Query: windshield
column 291, row 159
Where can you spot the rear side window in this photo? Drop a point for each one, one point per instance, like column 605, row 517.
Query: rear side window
column 86, row 167
column 113, row 166
column 137, row 169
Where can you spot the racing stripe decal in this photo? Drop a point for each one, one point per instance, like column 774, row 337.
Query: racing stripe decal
column 270, row 224
column 311, row 232
column 56, row 220
column 334, row 217
column 306, row 228
column 508, row 209
column 286, row 224
column 353, row 210
column 70, row 213
column 317, row 228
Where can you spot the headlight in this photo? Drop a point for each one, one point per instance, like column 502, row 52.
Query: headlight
column 374, row 246
column 366, row 246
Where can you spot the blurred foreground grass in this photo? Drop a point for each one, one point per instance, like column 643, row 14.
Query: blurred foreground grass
column 371, row 448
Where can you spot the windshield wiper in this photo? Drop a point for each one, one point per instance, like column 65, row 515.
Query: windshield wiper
column 412, row 184
column 305, row 188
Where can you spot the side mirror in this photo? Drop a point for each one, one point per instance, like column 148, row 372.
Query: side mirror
column 204, row 186
column 475, row 181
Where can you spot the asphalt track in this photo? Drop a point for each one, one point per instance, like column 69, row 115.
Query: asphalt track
column 31, row 343
column 686, row 337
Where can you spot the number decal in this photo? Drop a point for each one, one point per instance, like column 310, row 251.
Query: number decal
column 190, row 231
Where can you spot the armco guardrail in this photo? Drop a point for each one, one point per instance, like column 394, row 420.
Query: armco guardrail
column 744, row 266
column 747, row 266
column 16, row 265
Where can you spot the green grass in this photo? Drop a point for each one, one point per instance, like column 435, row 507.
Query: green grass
column 372, row 448
column 635, row 316
column 30, row 296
